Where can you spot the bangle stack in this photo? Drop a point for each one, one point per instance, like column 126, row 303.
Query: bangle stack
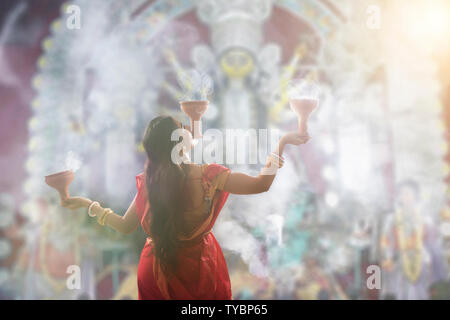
column 90, row 208
column 102, row 218
column 276, row 160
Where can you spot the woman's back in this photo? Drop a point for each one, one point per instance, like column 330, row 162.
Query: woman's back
column 203, row 274
column 199, row 192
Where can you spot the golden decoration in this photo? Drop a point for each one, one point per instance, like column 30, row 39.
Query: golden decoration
column 102, row 218
column 237, row 63
column 48, row 43
column 56, row 25
column 140, row 147
column 412, row 267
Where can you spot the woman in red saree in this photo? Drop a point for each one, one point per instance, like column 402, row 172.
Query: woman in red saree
column 177, row 206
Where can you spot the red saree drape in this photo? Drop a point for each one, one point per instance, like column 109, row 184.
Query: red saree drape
column 202, row 271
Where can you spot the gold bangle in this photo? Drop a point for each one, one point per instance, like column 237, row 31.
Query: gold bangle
column 102, row 219
column 276, row 161
column 106, row 216
column 94, row 203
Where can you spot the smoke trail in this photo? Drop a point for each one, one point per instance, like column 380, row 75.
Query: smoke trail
column 302, row 89
column 237, row 239
column 73, row 161
column 258, row 212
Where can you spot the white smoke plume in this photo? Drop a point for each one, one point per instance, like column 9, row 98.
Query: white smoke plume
column 73, row 161
column 303, row 89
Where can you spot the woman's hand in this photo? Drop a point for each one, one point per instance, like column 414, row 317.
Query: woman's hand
column 294, row 138
column 74, row 203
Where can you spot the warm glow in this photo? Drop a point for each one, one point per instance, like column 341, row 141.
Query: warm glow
column 427, row 22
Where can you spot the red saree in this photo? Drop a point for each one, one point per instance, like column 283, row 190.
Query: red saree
column 202, row 271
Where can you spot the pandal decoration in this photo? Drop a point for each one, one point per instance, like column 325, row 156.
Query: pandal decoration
column 412, row 267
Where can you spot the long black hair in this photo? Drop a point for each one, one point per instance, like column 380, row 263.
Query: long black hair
column 164, row 181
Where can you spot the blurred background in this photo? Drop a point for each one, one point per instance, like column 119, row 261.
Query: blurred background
column 80, row 80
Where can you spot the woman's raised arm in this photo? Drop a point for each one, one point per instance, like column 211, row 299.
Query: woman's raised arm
column 241, row 183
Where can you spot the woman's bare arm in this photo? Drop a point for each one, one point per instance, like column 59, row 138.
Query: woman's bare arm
column 241, row 183
column 126, row 224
